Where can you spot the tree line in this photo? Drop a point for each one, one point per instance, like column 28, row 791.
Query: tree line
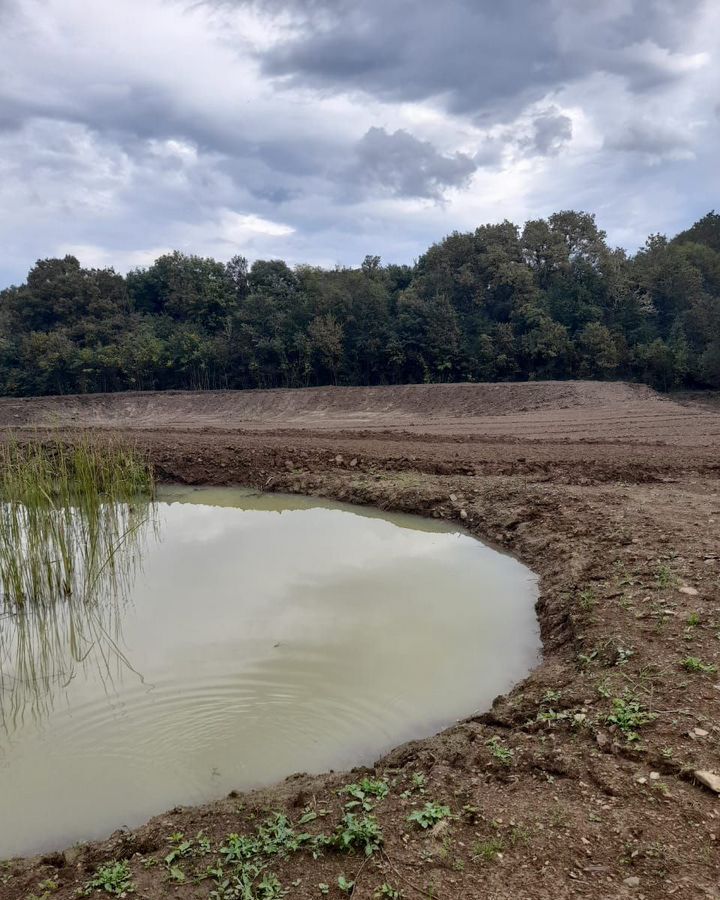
column 549, row 300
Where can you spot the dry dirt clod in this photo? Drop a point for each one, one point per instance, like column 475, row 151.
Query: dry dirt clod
column 710, row 779
column 690, row 591
column 439, row 829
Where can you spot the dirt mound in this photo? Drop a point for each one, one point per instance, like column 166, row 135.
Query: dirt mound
column 571, row 410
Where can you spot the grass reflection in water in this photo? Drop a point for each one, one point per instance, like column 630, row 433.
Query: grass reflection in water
column 73, row 523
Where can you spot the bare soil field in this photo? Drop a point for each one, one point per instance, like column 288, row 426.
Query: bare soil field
column 526, row 411
column 599, row 775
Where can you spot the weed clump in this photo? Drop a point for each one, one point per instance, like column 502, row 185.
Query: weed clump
column 628, row 715
column 693, row 664
column 429, row 815
column 112, row 878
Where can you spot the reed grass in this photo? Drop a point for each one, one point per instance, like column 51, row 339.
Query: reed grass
column 73, row 523
column 65, row 510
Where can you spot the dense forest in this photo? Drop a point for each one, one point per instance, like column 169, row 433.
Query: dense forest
column 550, row 300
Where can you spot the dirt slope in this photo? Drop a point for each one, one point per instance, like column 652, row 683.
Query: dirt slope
column 581, row 410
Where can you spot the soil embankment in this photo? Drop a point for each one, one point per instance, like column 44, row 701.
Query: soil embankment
column 581, row 782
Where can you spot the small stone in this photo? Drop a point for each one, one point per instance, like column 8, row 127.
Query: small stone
column 353, row 462
column 453, row 498
column 338, row 459
column 632, row 881
column 654, row 776
column 710, row 779
column 700, row 732
column 463, row 514
column 641, row 780
column 690, row 591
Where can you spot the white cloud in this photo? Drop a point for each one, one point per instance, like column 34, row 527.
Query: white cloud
column 94, row 257
column 134, row 126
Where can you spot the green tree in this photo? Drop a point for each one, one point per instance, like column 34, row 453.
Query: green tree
column 599, row 356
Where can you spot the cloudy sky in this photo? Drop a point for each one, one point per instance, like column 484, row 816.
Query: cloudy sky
column 322, row 130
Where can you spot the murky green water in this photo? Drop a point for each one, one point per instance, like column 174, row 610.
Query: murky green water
column 262, row 635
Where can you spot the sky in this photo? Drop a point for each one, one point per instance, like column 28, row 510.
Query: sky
column 319, row 131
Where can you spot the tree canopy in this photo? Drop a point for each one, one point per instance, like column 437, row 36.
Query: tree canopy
column 550, row 300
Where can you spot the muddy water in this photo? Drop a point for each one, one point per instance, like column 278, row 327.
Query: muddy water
column 263, row 635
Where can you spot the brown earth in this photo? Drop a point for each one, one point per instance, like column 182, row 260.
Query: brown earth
column 611, row 494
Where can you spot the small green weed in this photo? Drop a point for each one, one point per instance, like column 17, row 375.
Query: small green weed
column 249, row 883
column 693, row 664
column 113, row 878
column 417, row 785
column 519, row 836
column 418, row 781
column 487, row 851
column 629, row 715
column 181, row 848
column 358, row 834
column 345, row 885
column 276, row 835
column 500, row 751
column 586, row 658
column 238, row 848
column 550, row 715
column 388, row 892
column 175, row 873
column 429, row 815
column 364, row 793
column 47, row 888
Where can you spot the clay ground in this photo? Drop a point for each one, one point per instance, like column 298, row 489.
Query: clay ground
column 582, row 781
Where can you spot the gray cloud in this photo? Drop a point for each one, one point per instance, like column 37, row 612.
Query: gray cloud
column 450, row 51
column 477, row 56
column 655, row 141
column 305, row 128
column 408, row 167
column 550, row 131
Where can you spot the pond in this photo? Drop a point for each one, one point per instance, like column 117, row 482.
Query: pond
column 258, row 636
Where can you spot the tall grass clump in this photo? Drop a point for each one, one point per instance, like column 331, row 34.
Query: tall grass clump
column 65, row 511
column 73, row 521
